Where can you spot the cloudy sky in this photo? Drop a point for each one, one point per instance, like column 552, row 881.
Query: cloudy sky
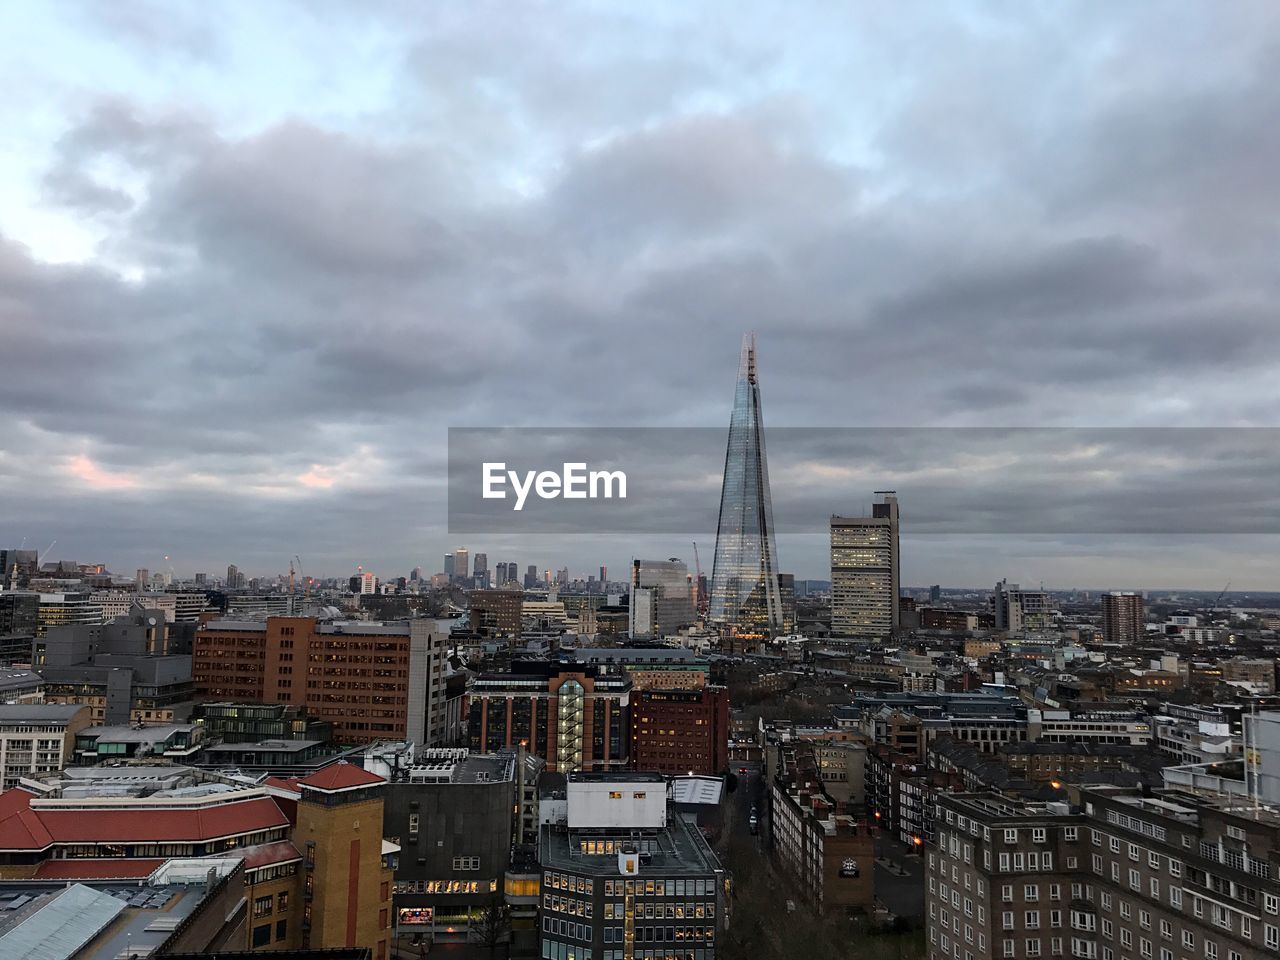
column 257, row 258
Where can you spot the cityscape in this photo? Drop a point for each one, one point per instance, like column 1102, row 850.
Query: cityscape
column 267, row 689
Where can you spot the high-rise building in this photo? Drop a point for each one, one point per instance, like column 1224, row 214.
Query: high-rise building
column 864, row 572
column 461, row 564
column 1122, row 617
column 744, row 581
column 235, row 579
column 450, row 566
column 787, row 592
column 604, row 574
column 661, row 597
column 480, row 572
column 531, row 576
column 143, row 580
column 19, row 613
column 1016, row 609
column 935, row 594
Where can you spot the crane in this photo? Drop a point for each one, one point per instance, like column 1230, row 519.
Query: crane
column 1218, row 600
column 702, row 590
column 306, row 581
column 40, row 557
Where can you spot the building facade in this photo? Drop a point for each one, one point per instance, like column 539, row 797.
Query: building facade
column 680, row 731
column 1123, row 620
column 865, row 572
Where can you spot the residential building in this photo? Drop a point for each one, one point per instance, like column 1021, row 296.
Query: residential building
column 865, row 572
column 1123, row 620
column 1017, row 610
column 745, row 600
column 825, row 848
column 624, row 874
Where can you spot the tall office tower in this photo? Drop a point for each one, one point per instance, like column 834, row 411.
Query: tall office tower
column 461, row 564
column 1122, row 617
column 481, row 571
column 935, row 594
column 415, row 574
column 233, row 576
column 604, row 574
column 449, row 566
column 142, row 580
column 787, row 591
column 531, row 576
column 744, row 579
column 864, row 571
column 661, row 598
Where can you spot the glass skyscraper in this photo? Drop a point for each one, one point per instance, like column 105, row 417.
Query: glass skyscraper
column 745, row 599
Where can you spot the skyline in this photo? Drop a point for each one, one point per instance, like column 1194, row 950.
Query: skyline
column 246, row 285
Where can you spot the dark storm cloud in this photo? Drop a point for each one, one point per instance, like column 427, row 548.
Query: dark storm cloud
column 570, row 219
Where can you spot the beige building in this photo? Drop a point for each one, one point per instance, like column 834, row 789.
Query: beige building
column 37, row 739
column 864, row 572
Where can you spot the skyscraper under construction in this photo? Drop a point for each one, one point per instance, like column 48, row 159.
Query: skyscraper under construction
column 745, row 600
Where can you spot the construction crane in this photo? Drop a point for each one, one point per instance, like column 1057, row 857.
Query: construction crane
column 291, row 581
column 306, row 581
column 1214, row 609
column 40, row 557
column 702, row 590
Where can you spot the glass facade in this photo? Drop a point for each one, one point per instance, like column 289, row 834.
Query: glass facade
column 744, row 582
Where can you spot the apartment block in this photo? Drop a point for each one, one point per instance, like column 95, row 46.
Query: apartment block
column 1113, row 875
column 680, row 731
column 37, row 738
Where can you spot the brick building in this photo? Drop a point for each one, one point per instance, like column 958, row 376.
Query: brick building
column 372, row 681
column 680, row 731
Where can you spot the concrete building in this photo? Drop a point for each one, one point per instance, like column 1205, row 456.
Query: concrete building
column 1017, row 610
column 650, row 667
column 37, row 739
column 574, row 717
column 453, row 815
column 624, row 875
column 496, row 612
column 372, row 681
column 66, row 609
column 865, row 576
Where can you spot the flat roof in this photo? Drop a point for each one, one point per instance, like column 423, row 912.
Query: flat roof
column 38, row 712
column 680, row 848
column 587, row 776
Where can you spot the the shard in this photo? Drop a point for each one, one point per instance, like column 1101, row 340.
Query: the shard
column 745, row 601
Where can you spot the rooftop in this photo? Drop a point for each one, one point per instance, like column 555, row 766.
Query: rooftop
column 38, row 712
column 678, row 848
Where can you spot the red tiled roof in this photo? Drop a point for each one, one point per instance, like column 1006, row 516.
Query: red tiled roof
column 340, row 776
column 282, row 783
column 115, row 868
column 161, row 825
column 20, row 827
column 267, row 854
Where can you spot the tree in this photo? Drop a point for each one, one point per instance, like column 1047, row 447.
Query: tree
column 492, row 923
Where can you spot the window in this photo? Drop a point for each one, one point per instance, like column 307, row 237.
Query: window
column 261, row 908
column 262, row 934
column 1210, row 950
column 282, row 930
column 1038, row 834
column 1032, row 919
column 1006, row 920
column 1006, row 893
column 1271, row 903
column 1271, row 936
column 1175, row 897
column 1070, row 833
column 1031, row 892
column 1011, row 836
column 1188, row 939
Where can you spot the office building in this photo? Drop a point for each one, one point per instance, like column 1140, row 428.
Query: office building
column 650, row 668
column 461, row 565
column 865, row 572
column 575, row 717
column 480, row 571
column 679, row 732
column 37, row 738
column 744, row 582
column 787, row 594
column 625, row 876
column 372, row 681
column 496, row 612
column 1122, row 617
column 450, row 567
column 662, row 598
column 19, row 613
column 64, row 609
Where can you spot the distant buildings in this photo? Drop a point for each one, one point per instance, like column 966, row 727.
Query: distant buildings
column 745, row 600
column 1122, row 617
column 865, row 572
column 1017, row 610
column 65, row 609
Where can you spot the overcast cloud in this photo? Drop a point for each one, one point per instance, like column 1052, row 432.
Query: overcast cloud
column 256, row 259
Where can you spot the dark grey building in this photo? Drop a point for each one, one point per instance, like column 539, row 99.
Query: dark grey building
column 452, row 813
